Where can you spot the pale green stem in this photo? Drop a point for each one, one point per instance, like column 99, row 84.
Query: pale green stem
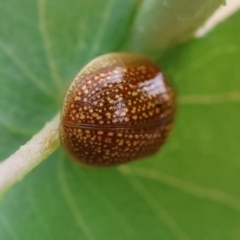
column 28, row 156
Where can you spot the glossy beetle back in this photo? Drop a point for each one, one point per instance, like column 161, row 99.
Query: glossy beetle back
column 119, row 108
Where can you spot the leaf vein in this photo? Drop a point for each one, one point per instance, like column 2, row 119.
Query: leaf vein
column 108, row 204
column 161, row 213
column 72, row 204
column 33, row 205
column 47, row 44
column 23, row 132
column 101, row 29
column 30, row 76
column 210, row 99
column 185, row 186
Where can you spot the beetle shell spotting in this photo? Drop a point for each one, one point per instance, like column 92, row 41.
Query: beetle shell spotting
column 120, row 107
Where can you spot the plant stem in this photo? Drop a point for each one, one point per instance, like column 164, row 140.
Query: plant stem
column 28, row 156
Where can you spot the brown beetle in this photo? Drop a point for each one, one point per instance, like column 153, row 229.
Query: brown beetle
column 120, row 107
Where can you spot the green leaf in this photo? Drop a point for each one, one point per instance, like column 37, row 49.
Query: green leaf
column 189, row 190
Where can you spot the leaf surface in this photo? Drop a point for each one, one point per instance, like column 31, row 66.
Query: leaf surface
column 189, row 190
